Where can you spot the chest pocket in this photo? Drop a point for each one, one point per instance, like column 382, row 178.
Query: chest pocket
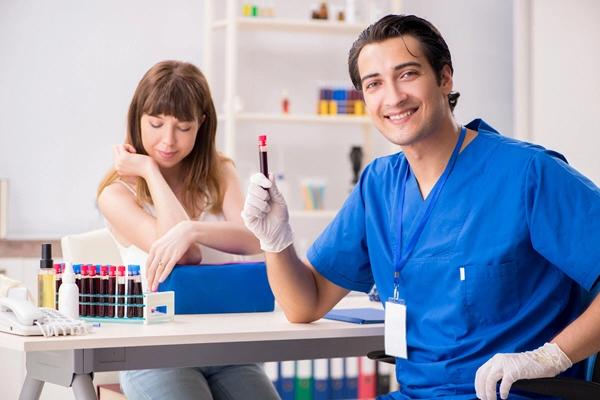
column 491, row 292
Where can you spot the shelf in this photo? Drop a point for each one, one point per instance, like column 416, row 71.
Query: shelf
column 293, row 25
column 300, row 118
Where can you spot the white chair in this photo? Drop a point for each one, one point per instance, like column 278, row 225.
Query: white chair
column 95, row 247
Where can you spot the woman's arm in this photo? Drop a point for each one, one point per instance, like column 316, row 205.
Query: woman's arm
column 230, row 236
column 131, row 224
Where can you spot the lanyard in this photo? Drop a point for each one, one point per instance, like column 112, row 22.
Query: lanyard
column 401, row 258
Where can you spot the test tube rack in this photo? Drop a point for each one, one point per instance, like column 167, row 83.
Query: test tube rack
column 151, row 301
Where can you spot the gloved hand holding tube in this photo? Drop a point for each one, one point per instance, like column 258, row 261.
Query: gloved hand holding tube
column 266, row 214
column 544, row 362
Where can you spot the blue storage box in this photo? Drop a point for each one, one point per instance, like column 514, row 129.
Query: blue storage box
column 220, row 288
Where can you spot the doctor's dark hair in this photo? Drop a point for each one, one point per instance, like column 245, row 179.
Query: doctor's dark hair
column 432, row 43
column 180, row 90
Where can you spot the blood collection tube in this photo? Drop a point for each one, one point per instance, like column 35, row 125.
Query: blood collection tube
column 137, row 291
column 121, row 291
column 112, row 291
column 103, row 292
column 131, row 301
column 77, row 272
column 262, row 155
column 85, row 290
column 94, row 288
column 57, row 282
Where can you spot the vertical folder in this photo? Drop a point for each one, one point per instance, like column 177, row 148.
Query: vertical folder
column 351, row 378
column 303, row 386
column 321, row 379
column 287, row 374
column 272, row 371
column 384, row 377
column 336, row 378
column 367, row 385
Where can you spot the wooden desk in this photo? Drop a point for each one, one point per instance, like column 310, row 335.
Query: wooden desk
column 192, row 340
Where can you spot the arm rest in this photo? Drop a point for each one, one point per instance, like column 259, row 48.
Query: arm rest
column 379, row 355
column 561, row 386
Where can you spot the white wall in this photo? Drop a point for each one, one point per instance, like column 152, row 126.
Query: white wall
column 68, row 70
column 566, row 82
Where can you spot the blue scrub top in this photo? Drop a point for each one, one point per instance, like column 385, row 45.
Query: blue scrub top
column 497, row 268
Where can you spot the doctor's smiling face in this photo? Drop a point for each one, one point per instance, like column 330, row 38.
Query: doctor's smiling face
column 405, row 99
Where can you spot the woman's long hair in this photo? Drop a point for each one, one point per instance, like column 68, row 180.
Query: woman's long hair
column 180, row 90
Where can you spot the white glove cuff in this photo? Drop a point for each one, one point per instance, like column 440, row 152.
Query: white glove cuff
column 281, row 243
column 551, row 353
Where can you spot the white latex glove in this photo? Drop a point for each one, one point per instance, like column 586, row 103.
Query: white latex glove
column 266, row 215
column 544, row 362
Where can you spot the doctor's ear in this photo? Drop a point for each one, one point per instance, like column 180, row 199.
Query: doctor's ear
column 446, row 81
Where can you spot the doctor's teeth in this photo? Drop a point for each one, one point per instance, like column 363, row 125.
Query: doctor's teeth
column 399, row 116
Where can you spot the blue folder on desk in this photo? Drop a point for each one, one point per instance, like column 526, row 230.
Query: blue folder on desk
column 358, row 315
column 220, row 288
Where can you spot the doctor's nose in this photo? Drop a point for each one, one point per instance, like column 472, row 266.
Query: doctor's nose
column 394, row 95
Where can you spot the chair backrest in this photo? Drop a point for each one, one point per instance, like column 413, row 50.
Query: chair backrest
column 95, row 247
column 593, row 363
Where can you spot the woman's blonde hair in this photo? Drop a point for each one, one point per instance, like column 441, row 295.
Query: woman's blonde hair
column 180, row 90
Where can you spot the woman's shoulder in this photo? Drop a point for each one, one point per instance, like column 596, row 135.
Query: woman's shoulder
column 118, row 190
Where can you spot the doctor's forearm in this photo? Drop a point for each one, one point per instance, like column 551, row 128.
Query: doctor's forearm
column 581, row 338
column 293, row 285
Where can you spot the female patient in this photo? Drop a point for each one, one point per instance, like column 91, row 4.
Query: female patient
column 167, row 173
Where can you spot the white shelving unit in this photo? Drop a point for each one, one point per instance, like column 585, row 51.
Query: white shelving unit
column 234, row 25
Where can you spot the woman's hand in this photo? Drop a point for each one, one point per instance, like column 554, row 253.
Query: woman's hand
column 129, row 163
column 167, row 251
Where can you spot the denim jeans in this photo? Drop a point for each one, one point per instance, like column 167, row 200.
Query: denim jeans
column 226, row 382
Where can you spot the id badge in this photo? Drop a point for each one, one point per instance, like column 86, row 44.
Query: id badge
column 395, row 328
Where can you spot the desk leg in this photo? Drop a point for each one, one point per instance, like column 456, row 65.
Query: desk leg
column 31, row 389
column 83, row 388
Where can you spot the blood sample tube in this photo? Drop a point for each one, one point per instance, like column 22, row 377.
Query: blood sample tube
column 77, row 272
column 131, row 301
column 85, row 290
column 103, row 292
column 262, row 155
column 121, row 291
column 137, row 291
column 94, row 288
column 57, row 283
column 112, row 291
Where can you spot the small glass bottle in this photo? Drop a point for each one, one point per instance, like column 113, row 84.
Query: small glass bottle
column 46, row 281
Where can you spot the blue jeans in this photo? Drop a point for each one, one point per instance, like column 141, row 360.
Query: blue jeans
column 226, row 382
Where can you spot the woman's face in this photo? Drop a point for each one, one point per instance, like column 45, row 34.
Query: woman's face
column 167, row 140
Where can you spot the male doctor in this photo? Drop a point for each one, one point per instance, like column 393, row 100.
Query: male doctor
column 480, row 242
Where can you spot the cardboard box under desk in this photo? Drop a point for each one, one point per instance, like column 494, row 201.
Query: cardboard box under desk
column 220, row 288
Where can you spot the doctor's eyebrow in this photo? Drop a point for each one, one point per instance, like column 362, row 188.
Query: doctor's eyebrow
column 396, row 68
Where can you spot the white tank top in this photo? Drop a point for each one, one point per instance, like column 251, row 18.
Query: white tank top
column 133, row 255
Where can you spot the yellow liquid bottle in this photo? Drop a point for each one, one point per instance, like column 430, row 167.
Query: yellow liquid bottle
column 46, row 288
column 46, row 279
